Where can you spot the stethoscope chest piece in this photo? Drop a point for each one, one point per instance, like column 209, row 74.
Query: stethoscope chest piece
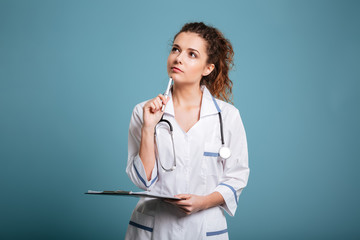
column 224, row 152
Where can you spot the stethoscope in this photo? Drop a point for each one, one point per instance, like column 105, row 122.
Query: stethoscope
column 224, row 152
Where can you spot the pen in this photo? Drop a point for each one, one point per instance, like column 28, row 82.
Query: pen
column 166, row 94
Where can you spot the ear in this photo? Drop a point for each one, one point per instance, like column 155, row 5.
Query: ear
column 208, row 69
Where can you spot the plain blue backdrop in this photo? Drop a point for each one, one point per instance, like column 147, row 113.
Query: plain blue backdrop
column 72, row 71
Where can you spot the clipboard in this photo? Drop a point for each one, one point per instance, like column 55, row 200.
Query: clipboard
column 133, row 194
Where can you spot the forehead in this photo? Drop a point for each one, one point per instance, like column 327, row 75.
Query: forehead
column 190, row 40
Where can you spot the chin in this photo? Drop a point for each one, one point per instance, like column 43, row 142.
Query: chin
column 178, row 80
column 175, row 78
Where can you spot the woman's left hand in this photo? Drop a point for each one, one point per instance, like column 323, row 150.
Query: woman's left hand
column 189, row 203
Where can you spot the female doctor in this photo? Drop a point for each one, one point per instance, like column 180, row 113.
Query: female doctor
column 189, row 166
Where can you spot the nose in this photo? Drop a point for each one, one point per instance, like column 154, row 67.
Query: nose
column 179, row 57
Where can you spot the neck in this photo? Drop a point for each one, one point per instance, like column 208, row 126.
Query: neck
column 187, row 95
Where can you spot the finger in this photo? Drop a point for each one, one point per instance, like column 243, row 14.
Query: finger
column 183, row 196
column 155, row 104
column 182, row 204
column 185, row 210
column 148, row 104
column 158, row 102
column 162, row 98
column 178, row 203
column 153, row 107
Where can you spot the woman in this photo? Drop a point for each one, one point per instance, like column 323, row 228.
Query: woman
column 206, row 183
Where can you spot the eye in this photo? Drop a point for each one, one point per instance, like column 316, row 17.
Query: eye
column 193, row 55
column 175, row 49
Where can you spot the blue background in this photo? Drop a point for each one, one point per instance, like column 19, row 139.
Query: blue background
column 72, row 71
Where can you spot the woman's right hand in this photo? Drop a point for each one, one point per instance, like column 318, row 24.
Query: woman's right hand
column 152, row 111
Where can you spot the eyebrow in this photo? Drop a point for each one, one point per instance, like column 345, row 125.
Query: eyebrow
column 192, row 49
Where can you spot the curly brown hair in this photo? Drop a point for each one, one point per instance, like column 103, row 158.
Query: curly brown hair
column 220, row 53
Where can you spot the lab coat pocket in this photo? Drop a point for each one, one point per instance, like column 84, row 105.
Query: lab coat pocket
column 141, row 226
column 212, row 162
column 216, row 226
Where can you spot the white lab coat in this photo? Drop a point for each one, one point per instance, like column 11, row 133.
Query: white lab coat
column 199, row 171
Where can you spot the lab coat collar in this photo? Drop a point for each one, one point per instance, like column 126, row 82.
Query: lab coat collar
column 209, row 105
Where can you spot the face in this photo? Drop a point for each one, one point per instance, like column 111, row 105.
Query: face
column 187, row 61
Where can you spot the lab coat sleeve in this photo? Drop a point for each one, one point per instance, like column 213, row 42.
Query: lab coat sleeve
column 236, row 168
column 135, row 168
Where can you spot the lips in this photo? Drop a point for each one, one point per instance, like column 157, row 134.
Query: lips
column 175, row 69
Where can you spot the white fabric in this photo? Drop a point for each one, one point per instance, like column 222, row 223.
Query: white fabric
column 199, row 171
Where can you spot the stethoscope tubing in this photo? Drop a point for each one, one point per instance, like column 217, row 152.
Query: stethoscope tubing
column 220, row 120
column 172, row 139
column 221, row 129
